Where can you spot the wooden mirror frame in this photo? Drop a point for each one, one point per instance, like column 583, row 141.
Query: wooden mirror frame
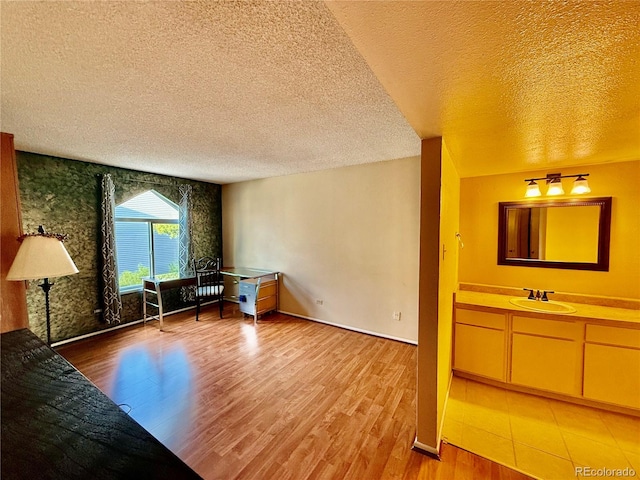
column 604, row 233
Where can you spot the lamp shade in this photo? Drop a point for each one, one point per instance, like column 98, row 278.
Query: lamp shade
column 580, row 186
column 555, row 187
column 533, row 190
column 41, row 256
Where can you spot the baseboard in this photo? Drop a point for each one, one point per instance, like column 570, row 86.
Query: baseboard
column 122, row 325
column 135, row 322
column 633, row 412
column 426, row 450
column 353, row 329
column 97, row 332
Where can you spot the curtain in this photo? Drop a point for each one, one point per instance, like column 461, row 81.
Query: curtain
column 186, row 245
column 111, row 301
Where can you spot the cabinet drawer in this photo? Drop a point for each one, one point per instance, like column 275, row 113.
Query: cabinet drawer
column 266, row 304
column 624, row 337
column 481, row 319
column 547, row 328
column 267, row 289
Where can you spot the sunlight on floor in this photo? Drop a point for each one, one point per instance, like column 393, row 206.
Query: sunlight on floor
column 251, row 337
column 541, row 437
column 156, row 388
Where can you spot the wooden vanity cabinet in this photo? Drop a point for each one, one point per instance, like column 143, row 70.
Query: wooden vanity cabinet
column 480, row 343
column 597, row 360
column 612, row 365
column 546, row 354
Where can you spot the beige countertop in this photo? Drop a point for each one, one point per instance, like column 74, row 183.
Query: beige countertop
column 583, row 311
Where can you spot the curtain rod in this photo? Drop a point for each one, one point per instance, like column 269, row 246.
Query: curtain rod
column 129, row 177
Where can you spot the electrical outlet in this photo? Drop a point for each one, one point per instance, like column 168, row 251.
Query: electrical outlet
column 396, row 316
column 319, row 302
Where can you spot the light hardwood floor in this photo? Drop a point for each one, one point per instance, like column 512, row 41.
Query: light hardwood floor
column 287, row 399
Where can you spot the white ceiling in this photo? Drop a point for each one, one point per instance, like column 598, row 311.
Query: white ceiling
column 215, row 91
column 229, row 91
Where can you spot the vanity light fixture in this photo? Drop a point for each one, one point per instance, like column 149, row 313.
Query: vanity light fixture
column 554, row 180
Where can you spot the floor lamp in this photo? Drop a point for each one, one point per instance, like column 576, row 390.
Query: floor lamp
column 42, row 255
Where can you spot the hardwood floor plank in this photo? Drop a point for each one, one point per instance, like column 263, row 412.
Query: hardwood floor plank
column 286, row 399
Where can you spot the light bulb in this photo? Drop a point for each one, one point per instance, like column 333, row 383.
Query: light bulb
column 555, row 187
column 533, row 190
column 580, row 186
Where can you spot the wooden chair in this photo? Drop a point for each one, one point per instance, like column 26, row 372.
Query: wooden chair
column 209, row 283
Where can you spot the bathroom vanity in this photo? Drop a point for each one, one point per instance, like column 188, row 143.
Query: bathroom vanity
column 591, row 355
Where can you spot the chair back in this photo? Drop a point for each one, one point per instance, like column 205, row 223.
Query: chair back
column 208, row 277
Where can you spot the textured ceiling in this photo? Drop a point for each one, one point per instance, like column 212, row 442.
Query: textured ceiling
column 229, row 91
column 216, row 91
column 512, row 85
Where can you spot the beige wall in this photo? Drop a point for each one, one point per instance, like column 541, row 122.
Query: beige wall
column 479, row 198
column 348, row 237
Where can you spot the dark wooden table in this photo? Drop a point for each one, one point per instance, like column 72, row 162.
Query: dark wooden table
column 57, row 425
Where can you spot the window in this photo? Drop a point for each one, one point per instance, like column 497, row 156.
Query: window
column 147, row 239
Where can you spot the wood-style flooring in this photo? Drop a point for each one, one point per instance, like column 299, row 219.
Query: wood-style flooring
column 286, row 399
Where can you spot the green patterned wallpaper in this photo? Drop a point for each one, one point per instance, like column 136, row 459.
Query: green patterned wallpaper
column 64, row 196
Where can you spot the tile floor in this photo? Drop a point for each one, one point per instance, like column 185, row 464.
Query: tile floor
column 544, row 438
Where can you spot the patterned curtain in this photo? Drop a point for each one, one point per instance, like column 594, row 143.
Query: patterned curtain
column 112, row 303
column 186, row 246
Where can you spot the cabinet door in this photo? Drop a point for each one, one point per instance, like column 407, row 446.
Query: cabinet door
column 547, row 363
column 480, row 351
column 612, row 374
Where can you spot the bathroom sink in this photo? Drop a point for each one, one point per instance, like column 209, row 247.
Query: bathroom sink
column 539, row 306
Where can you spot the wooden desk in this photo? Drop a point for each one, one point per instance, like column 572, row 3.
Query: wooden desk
column 234, row 275
column 255, row 290
column 156, row 286
column 56, row 424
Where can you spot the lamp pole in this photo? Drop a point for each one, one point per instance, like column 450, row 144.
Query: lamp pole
column 46, row 286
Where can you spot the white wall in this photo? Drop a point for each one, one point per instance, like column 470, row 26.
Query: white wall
column 346, row 236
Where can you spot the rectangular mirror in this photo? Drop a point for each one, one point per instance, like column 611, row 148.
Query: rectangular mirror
column 564, row 233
